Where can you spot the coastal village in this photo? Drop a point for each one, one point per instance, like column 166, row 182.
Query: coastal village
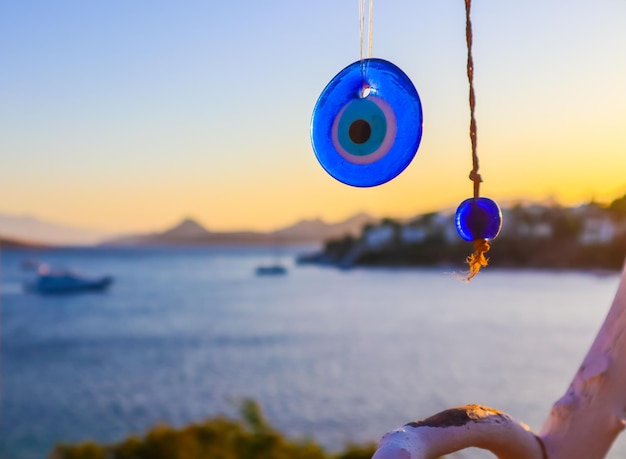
column 591, row 236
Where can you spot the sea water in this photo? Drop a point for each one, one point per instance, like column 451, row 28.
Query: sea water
column 337, row 355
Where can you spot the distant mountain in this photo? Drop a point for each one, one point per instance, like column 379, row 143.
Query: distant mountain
column 188, row 228
column 190, row 232
column 39, row 231
column 17, row 244
column 319, row 230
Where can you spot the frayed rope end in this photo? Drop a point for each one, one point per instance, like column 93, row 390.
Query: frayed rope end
column 477, row 260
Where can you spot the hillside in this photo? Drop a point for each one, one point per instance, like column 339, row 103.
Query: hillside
column 590, row 236
column 191, row 232
column 29, row 228
column 6, row 243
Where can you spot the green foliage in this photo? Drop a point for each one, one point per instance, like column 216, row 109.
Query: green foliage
column 252, row 416
column 387, row 221
column 618, row 208
column 353, row 451
column 87, row 450
column 336, row 249
column 252, row 437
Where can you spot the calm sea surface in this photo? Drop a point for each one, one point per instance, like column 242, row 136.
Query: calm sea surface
column 341, row 356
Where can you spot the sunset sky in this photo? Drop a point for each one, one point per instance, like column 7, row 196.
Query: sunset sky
column 130, row 115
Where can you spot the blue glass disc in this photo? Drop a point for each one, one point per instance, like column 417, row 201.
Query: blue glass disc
column 478, row 218
column 367, row 123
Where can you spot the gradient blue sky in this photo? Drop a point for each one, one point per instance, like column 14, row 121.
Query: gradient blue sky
column 128, row 115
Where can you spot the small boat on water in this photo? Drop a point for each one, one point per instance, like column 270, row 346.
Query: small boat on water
column 63, row 281
column 272, row 270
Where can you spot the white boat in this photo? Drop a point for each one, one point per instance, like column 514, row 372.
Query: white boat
column 63, row 281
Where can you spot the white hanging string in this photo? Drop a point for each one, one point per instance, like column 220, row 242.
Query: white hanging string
column 362, row 11
column 362, row 26
column 370, row 32
column 365, row 90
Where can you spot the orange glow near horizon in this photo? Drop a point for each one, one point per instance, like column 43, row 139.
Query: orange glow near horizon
column 427, row 185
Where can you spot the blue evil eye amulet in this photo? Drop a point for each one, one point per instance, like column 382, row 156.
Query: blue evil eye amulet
column 367, row 123
column 478, row 219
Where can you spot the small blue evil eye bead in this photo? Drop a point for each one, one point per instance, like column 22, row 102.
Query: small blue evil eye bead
column 478, row 218
column 367, row 123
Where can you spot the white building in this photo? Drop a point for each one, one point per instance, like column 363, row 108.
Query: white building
column 378, row 236
column 540, row 230
column 597, row 231
column 413, row 234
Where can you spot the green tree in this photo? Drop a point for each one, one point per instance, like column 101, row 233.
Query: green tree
column 250, row 437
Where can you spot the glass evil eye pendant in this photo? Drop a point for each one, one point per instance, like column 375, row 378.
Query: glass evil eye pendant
column 367, row 123
column 478, row 219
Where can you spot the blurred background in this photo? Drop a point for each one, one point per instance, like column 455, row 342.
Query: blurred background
column 170, row 245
